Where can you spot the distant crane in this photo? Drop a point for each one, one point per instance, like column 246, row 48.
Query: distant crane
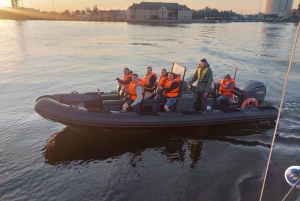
column 16, row 3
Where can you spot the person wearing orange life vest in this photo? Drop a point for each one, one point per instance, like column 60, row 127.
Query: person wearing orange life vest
column 162, row 79
column 226, row 86
column 134, row 93
column 171, row 90
column 149, row 82
column 127, row 78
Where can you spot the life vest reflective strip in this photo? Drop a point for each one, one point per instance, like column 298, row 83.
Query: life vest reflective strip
column 132, row 86
column 147, row 80
column 202, row 72
column 126, row 77
column 174, row 92
column 162, row 80
column 224, row 91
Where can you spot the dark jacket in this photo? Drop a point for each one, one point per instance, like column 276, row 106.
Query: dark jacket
column 204, row 77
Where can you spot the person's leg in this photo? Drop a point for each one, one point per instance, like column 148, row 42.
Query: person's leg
column 197, row 102
column 127, row 105
column 217, row 104
column 203, row 101
column 169, row 103
column 166, row 108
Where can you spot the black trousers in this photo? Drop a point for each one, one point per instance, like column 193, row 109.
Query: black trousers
column 200, row 103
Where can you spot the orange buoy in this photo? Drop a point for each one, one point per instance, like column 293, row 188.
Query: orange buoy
column 249, row 101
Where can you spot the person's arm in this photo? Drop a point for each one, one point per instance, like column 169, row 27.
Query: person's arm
column 124, row 82
column 139, row 92
column 229, row 86
column 172, row 87
column 151, row 83
column 209, row 80
column 194, row 78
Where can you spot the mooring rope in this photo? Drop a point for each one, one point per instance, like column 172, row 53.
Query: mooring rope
column 281, row 102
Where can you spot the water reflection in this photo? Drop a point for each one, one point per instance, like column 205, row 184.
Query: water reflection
column 177, row 145
column 269, row 44
column 273, row 31
column 164, row 24
column 21, row 37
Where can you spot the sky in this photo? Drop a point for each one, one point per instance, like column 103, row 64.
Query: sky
column 239, row 6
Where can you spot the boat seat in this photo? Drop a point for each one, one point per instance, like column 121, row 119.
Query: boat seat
column 111, row 102
column 112, row 105
column 149, row 105
column 110, row 96
column 230, row 103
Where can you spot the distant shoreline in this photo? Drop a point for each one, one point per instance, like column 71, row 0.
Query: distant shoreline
column 54, row 18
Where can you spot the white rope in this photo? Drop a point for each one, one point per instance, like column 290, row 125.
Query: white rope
column 292, row 189
column 281, row 102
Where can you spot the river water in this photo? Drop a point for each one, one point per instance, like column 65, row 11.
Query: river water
column 44, row 160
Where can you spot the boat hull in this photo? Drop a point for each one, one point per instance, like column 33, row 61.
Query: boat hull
column 76, row 116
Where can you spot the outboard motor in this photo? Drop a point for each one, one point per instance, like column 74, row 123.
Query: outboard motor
column 251, row 89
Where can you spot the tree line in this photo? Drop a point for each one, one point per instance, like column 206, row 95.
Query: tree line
column 212, row 12
column 87, row 10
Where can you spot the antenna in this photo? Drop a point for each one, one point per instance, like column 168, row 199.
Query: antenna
column 53, row 5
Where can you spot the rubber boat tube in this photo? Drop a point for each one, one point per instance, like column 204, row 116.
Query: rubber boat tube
column 73, row 115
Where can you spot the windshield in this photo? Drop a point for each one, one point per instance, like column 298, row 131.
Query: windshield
column 178, row 70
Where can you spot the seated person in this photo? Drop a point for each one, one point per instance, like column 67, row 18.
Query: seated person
column 134, row 93
column 127, row 78
column 226, row 86
column 171, row 90
column 149, row 83
column 163, row 77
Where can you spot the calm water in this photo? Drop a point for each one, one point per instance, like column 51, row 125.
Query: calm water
column 43, row 160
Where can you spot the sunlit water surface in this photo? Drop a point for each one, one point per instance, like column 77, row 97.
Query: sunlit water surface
column 44, row 160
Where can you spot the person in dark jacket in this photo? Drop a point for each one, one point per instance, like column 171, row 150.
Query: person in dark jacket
column 204, row 78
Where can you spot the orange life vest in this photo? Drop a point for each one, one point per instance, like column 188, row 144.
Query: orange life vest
column 162, row 80
column 168, row 84
column 126, row 77
column 132, row 86
column 224, row 91
column 147, row 81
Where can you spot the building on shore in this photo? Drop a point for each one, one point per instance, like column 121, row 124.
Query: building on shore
column 278, row 7
column 158, row 10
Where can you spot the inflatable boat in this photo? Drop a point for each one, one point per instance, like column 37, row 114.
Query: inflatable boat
column 101, row 109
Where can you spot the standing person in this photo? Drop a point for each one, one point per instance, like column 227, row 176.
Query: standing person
column 127, row 78
column 226, row 86
column 149, row 82
column 162, row 79
column 171, row 90
column 204, row 77
column 134, row 93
